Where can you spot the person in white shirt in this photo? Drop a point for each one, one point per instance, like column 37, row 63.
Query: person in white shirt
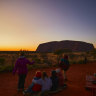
column 46, row 82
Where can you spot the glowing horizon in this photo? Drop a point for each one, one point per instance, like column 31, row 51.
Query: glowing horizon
column 26, row 24
column 14, row 48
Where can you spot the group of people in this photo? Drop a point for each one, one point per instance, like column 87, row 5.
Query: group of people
column 41, row 81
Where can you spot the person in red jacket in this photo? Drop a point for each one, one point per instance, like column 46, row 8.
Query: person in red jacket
column 21, row 69
column 36, row 84
column 61, row 77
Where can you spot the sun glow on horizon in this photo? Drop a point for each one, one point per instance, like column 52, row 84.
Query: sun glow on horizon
column 26, row 24
column 17, row 49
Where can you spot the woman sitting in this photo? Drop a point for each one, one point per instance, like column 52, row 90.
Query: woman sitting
column 55, row 81
column 36, row 84
column 46, row 82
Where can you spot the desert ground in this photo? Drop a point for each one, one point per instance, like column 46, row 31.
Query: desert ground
column 76, row 81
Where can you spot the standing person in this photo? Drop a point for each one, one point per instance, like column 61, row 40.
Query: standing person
column 21, row 69
column 64, row 65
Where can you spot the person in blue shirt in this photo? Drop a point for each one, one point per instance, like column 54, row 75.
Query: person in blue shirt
column 64, row 65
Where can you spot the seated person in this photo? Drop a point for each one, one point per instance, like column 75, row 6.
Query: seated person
column 55, row 81
column 46, row 82
column 61, row 78
column 36, row 84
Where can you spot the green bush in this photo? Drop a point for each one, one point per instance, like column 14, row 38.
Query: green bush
column 6, row 68
column 81, row 62
column 46, row 61
column 38, row 61
column 44, row 55
column 35, row 66
column 71, row 56
column 73, row 62
column 2, row 61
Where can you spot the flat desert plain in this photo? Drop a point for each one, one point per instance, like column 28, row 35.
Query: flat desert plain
column 76, row 81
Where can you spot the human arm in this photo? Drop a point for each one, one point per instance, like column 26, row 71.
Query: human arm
column 15, row 67
column 28, row 62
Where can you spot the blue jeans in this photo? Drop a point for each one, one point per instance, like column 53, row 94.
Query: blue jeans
column 29, row 90
column 21, row 81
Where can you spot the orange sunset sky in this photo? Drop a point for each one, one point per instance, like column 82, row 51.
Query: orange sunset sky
column 24, row 24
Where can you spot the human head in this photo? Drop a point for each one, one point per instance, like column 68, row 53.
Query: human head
column 44, row 74
column 58, row 70
column 22, row 53
column 53, row 73
column 38, row 74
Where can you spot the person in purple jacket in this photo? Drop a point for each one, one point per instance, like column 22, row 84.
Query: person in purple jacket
column 21, row 69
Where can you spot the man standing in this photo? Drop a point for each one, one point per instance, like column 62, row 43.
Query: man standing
column 21, row 69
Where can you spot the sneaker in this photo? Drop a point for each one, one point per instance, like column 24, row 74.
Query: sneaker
column 24, row 93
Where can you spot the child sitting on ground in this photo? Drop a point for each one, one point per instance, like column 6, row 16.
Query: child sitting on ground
column 46, row 82
column 36, row 85
column 61, row 78
column 55, row 81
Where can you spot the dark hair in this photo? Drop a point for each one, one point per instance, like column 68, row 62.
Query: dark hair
column 44, row 74
column 53, row 73
column 22, row 53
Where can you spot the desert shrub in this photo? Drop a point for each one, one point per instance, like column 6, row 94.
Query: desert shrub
column 82, row 55
column 72, row 56
column 94, row 51
column 2, row 68
column 34, row 56
column 2, row 61
column 6, row 68
column 44, row 55
column 81, row 62
column 56, row 65
column 37, row 66
column 73, row 62
column 60, row 51
column 28, row 56
column 94, row 56
column 37, row 60
column 47, row 62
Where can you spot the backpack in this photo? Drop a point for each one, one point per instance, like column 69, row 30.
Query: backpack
column 64, row 64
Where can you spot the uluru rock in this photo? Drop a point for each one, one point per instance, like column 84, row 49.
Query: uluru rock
column 75, row 46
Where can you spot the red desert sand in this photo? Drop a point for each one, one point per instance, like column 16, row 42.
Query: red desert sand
column 76, row 81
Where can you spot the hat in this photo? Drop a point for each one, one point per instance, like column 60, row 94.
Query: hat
column 38, row 74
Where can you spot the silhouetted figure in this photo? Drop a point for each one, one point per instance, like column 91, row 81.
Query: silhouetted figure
column 55, row 81
column 46, row 82
column 64, row 65
column 21, row 69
